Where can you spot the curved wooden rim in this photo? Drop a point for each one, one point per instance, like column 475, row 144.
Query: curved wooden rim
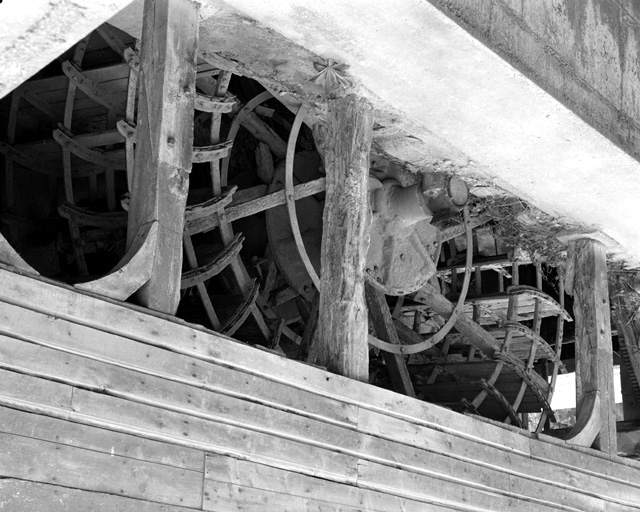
column 439, row 336
column 235, row 126
column 540, row 295
column 214, row 267
column 243, row 312
column 495, row 393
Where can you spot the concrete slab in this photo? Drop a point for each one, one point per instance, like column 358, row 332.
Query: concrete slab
column 35, row 34
column 412, row 58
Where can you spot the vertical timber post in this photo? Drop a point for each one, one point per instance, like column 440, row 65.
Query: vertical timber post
column 164, row 141
column 342, row 343
column 594, row 353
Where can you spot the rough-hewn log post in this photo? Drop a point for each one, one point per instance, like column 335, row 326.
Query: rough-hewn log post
column 594, row 354
column 342, row 338
column 165, row 141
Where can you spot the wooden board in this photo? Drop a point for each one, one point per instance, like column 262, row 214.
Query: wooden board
column 25, row 496
column 381, row 414
column 273, row 483
column 161, row 393
column 186, row 430
column 45, row 428
column 54, row 463
column 123, row 352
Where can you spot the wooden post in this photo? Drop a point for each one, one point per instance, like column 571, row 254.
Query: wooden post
column 164, row 141
column 594, row 353
column 342, row 345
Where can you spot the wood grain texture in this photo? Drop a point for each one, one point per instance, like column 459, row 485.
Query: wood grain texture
column 165, row 142
column 385, row 329
column 342, row 345
column 594, row 352
column 45, row 428
column 46, row 462
column 25, row 496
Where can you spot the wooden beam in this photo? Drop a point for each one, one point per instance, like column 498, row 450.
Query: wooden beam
column 594, row 353
column 342, row 345
column 380, row 317
column 165, row 142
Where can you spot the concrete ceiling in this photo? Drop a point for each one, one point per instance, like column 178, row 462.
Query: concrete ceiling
column 36, row 32
column 445, row 101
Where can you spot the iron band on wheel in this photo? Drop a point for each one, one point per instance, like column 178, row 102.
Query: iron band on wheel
column 439, row 336
column 291, row 203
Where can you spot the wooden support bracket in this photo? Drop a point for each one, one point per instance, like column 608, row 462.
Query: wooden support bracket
column 133, row 271
column 9, row 256
column 588, row 423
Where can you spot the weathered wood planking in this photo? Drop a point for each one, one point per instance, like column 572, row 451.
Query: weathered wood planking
column 101, row 346
column 25, row 458
column 242, row 477
column 366, row 438
column 24, row 496
column 46, row 428
column 100, row 377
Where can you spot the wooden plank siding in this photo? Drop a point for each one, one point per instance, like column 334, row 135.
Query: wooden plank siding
column 106, row 407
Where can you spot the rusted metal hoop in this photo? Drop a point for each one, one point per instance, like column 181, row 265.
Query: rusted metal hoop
column 235, row 126
column 437, row 337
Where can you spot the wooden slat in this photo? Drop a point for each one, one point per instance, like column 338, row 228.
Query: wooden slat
column 78, row 371
column 206, row 103
column 108, row 159
column 432, row 490
column 42, row 105
column 196, row 432
column 202, row 154
column 24, row 496
column 45, row 428
column 253, row 206
column 243, row 311
column 88, row 86
column 99, row 345
column 246, row 475
column 236, row 498
column 25, row 160
column 154, row 330
column 214, row 267
column 208, row 208
column 54, row 463
column 98, row 75
column 515, row 461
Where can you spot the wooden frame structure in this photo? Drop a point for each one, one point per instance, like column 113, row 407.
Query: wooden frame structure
column 129, row 408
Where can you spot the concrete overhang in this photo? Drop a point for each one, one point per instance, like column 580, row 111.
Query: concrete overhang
column 445, row 101
column 457, row 101
column 35, row 33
